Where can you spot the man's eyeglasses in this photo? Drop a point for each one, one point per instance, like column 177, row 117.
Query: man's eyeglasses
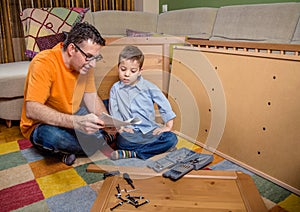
column 89, row 58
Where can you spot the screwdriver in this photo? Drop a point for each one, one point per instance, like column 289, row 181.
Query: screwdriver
column 128, row 180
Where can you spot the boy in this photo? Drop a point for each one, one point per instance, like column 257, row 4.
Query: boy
column 133, row 96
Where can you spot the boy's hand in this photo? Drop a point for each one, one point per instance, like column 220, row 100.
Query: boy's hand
column 168, row 127
column 160, row 130
column 110, row 130
column 125, row 129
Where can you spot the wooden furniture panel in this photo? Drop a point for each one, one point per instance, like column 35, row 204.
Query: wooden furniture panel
column 256, row 123
column 156, row 66
column 202, row 191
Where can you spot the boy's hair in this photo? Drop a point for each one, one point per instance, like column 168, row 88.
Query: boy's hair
column 132, row 53
column 82, row 32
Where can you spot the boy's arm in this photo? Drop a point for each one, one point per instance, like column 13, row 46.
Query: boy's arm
column 164, row 107
column 113, row 103
column 166, row 128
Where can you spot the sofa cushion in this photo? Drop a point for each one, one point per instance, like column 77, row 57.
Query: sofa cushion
column 12, row 79
column 88, row 17
column 194, row 22
column 134, row 33
column 296, row 37
column 272, row 23
column 115, row 23
column 49, row 41
column 39, row 22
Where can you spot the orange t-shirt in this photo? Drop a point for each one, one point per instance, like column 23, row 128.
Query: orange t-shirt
column 51, row 83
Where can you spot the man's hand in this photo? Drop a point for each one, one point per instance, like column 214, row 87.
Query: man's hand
column 89, row 123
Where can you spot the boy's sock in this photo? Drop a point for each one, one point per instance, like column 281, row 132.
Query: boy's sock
column 121, row 154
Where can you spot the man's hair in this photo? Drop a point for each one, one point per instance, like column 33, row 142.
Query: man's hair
column 82, row 32
column 132, row 53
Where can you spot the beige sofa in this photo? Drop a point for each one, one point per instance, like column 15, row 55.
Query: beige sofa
column 266, row 23
column 262, row 23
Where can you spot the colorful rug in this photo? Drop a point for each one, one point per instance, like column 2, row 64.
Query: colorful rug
column 31, row 181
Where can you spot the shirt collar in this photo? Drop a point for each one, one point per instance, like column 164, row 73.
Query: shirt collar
column 139, row 85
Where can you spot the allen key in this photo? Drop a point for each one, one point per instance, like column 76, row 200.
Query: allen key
column 146, row 201
column 118, row 188
column 137, row 197
column 132, row 190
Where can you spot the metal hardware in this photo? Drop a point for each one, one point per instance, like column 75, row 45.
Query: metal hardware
column 146, row 201
column 117, row 205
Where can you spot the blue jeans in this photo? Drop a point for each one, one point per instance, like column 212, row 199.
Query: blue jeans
column 67, row 141
column 158, row 145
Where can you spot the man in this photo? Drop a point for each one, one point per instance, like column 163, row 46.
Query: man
column 61, row 106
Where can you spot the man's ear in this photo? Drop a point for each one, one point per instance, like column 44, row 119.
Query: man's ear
column 71, row 49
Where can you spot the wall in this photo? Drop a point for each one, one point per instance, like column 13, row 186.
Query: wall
column 151, row 6
column 179, row 4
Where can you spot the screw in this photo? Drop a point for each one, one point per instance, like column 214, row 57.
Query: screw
column 132, row 203
column 132, row 199
column 117, row 205
column 123, row 200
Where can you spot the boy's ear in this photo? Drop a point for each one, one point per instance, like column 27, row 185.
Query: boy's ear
column 140, row 72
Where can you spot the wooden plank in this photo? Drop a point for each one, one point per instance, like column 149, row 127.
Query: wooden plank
column 249, row 193
column 144, row 171
column 102, row 198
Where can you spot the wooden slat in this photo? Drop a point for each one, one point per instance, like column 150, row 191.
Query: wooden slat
column 144, row 171
column 102, row 199
column 248, row 45
column 249, row 193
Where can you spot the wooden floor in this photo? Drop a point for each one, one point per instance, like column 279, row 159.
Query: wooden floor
column 9, row 134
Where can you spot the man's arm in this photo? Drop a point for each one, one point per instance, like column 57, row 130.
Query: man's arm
column 93, row 103
column 42, row 113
